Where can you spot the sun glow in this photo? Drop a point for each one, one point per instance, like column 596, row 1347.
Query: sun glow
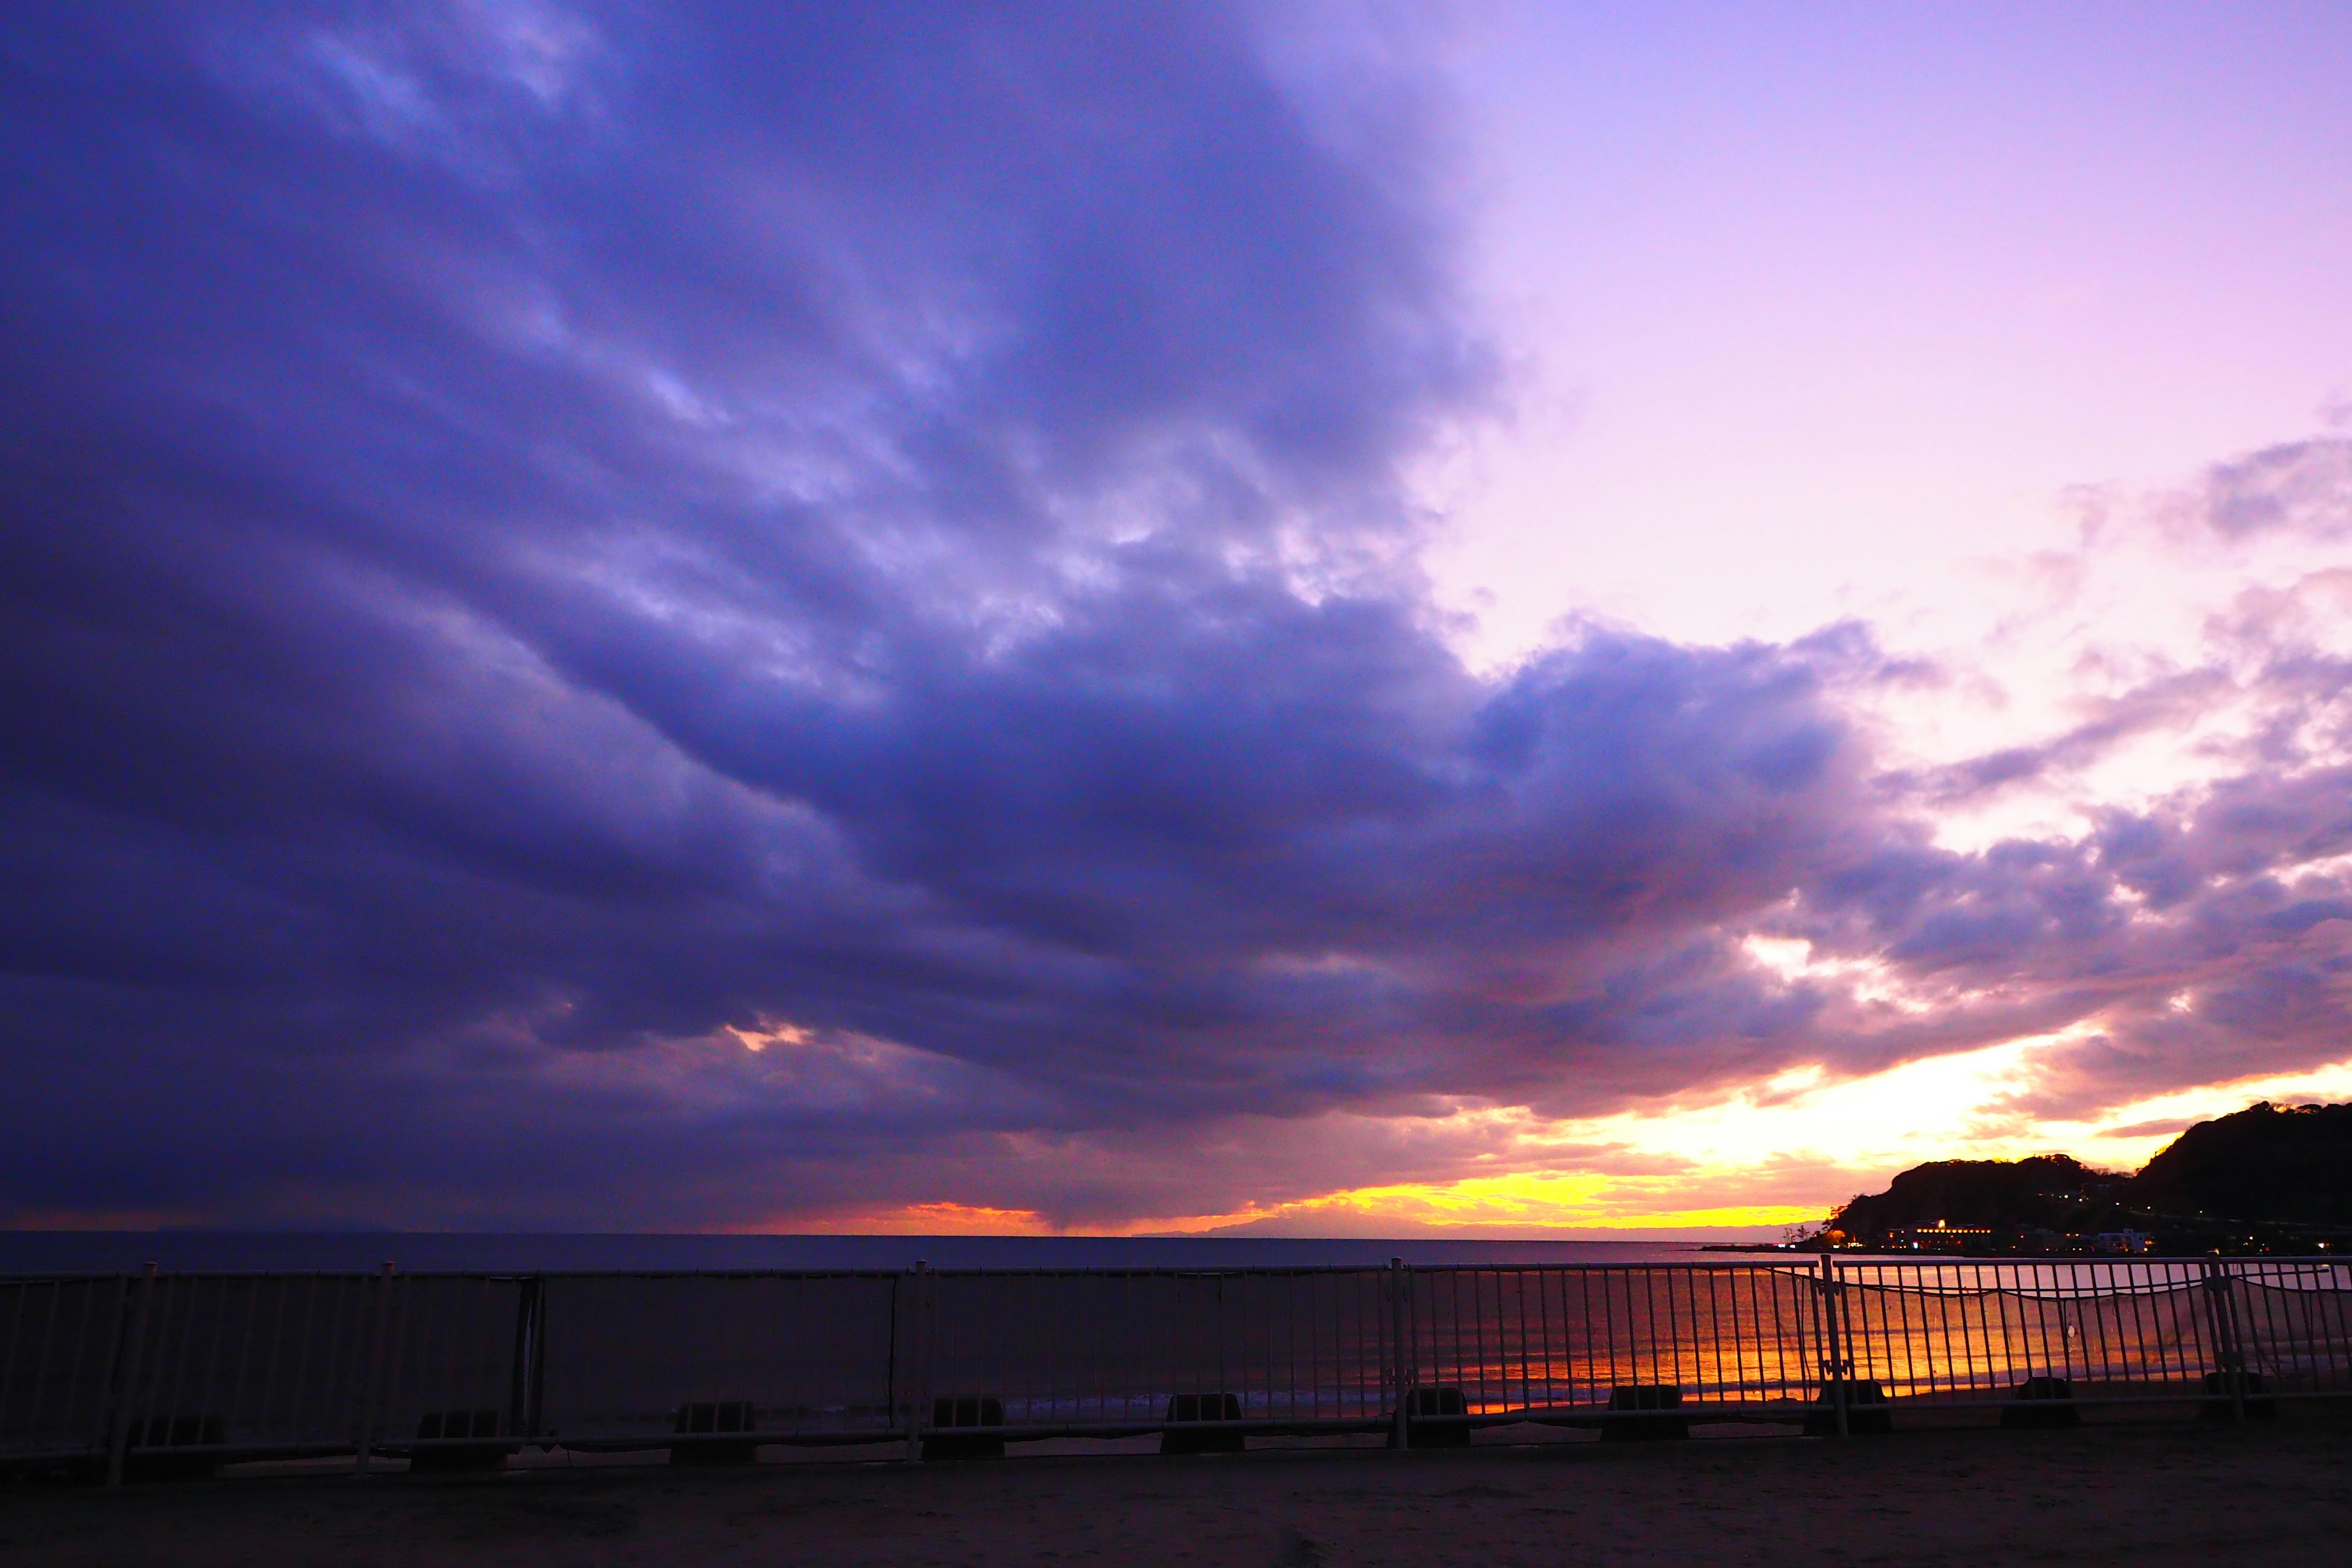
column 1780, row 1153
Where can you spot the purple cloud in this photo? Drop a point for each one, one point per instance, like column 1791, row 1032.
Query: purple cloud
column 536, row 538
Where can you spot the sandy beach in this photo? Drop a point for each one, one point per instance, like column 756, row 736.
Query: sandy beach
column 2148, row 1495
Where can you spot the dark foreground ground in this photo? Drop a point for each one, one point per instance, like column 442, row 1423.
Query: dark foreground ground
column 2149, row 1496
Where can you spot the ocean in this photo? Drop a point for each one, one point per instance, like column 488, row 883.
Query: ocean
column 107, row 1252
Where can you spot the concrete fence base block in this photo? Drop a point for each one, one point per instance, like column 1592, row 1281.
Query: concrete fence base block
column 951, row 1412
column 1183, row 1407
column 1866, row 1415
column 2041, row 1403
column 462, row 1442
column 153, row 1441
column 1423, row 1433
column 1645, row 1397
column 709, row 1420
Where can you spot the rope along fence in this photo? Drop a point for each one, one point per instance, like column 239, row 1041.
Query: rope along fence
column 132, row 1375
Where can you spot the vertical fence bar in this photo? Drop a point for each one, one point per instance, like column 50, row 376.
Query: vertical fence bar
column 535, row 1403
column 1400, row 1283
column 523, row 1357
column 1217, row 1299
column 1648, row 1331
column 374, row 1388
column 1730, row 1387
column 1477, row 1354
column 891, row 1405
column 1984, row 1365
column 1519, row 1283
column 1832, row 1359
column 2229, row 1360
column 126, row 1379
column 1968, row 1285
column 919, row 1347
column 156, row 1401
column 14, row 1345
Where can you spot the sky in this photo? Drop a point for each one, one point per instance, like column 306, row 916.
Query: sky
column 1304, row 618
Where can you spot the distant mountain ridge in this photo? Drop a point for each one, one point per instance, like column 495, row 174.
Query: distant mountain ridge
column 2263, row 1171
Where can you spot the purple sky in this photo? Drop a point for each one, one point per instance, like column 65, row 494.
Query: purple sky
column 646, row 616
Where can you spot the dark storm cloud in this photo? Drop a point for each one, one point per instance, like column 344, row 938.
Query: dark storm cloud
column 538, row 534
column 546, row 547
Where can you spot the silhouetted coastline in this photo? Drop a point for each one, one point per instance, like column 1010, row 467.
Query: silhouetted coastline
column 2268, row 1179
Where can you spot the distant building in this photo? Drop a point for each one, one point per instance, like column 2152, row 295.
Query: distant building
column 1940, row 1236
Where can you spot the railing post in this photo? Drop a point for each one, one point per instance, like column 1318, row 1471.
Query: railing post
column 126, row 1377
column 918, row 1367
column 522, row 1380
column 1835, row 1364
column 891, row 1403
column 1400, row 1384
column 535, row 1415
column 375, row 1389
column 2229, row 1355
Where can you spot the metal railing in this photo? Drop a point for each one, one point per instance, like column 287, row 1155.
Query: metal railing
column 113, row 1373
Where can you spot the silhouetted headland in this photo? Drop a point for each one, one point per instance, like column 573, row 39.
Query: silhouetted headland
column 2267, row 1179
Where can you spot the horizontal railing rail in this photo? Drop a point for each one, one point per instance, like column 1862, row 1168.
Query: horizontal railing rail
column 126, row 1375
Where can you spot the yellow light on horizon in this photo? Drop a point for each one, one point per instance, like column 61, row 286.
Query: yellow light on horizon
column 1836, row 1135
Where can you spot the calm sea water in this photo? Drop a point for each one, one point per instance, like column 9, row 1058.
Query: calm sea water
column 24, row 1252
